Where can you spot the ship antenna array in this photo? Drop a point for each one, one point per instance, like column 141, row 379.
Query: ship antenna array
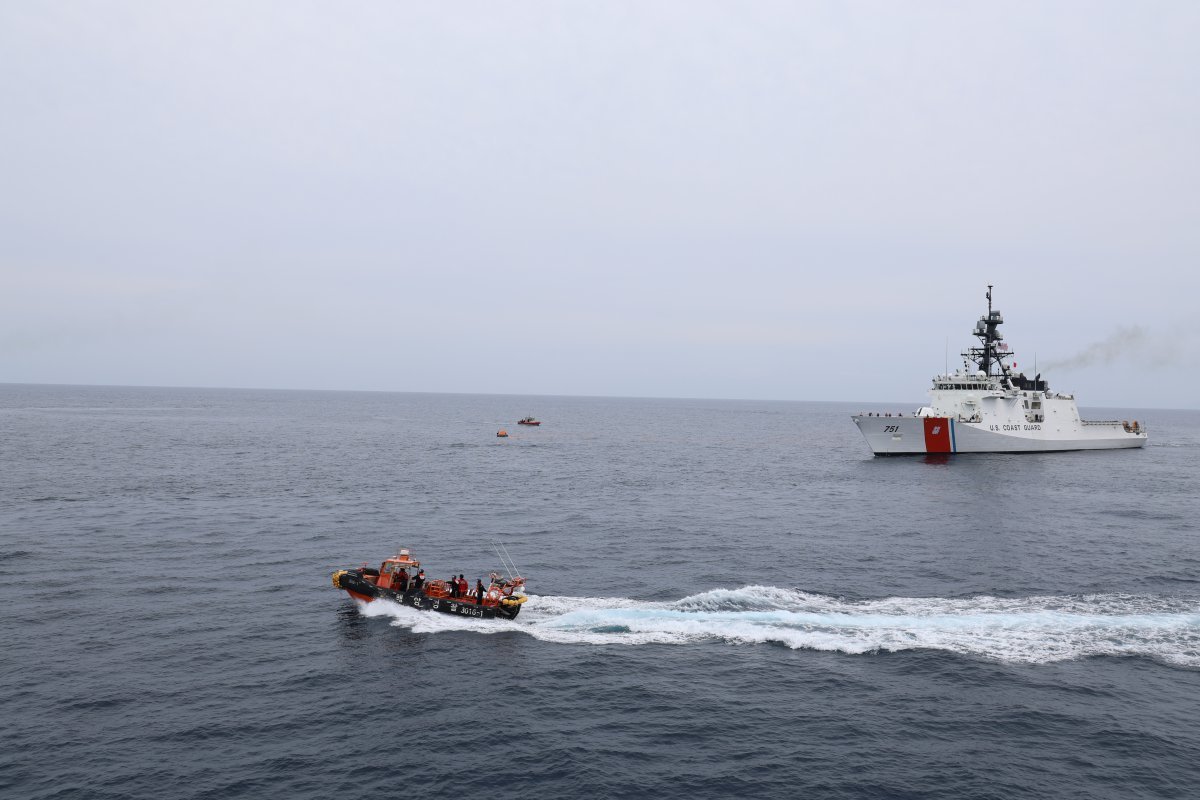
column 505, row 559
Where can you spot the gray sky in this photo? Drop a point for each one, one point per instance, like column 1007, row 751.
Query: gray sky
column 795, row 200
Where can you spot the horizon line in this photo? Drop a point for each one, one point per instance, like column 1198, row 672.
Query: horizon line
column 512, row 394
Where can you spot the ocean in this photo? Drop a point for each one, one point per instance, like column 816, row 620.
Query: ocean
column 728, row 599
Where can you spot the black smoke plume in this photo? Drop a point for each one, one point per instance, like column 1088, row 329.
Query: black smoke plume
column 1132, row 343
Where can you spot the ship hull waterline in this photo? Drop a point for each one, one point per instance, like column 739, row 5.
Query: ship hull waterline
column 887, row 436
column 365, row 591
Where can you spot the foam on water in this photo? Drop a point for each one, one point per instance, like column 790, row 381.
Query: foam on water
column 1019, row 630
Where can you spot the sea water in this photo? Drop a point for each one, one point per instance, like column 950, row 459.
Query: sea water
column 727, row 598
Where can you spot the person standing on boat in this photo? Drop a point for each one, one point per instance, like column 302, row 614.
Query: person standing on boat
column 463, row 586
column 402, row 579
column 479, row 590
column 419, row 581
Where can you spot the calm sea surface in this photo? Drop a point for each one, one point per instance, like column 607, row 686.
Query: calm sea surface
column 728, row 599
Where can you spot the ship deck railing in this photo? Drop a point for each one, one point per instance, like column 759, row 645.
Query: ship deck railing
column 1124, row 424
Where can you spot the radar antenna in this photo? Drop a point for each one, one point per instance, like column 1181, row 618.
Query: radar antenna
column 986, row 328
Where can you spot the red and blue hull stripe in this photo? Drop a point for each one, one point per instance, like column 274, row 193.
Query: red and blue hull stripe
column 939, row 435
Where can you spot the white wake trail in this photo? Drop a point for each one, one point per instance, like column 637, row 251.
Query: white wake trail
column 1016, row 630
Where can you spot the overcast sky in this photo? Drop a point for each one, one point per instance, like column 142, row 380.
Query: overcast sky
column 797, row 200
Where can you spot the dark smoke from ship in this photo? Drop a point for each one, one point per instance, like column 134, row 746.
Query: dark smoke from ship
column 1133, row 342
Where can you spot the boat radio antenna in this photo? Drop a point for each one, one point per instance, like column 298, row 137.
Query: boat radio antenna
column 511, row 563
column 505, row 559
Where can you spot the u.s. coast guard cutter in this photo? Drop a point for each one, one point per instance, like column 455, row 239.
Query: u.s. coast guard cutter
column 989, row 407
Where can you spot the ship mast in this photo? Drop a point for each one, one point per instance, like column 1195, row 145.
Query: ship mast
column 989, row 337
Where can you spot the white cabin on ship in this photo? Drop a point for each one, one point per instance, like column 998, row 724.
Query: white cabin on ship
column 988, row 407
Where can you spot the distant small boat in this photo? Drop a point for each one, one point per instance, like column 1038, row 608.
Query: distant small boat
column 503, row 434
column 528, row 421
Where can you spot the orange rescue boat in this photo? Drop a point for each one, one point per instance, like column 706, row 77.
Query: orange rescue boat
column 401, row 580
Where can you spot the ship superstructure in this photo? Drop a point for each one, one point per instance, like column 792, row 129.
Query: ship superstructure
column 987, row 406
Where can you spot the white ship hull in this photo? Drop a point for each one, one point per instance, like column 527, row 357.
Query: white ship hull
column 990, row 407
column 916, row 435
